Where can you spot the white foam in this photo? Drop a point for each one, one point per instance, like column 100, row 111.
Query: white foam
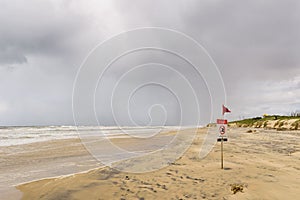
column 25, row 135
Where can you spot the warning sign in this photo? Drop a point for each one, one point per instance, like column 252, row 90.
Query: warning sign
column 222, row 127
column 221, row 121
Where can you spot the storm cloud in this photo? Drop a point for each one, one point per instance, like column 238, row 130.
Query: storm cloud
column 255, row 45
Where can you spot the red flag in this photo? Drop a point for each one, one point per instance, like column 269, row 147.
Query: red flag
column 225, row 110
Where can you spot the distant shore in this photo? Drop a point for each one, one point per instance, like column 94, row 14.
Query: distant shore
column 258, row 165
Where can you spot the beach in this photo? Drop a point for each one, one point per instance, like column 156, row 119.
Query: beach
column 263, row 164
column 39, row 160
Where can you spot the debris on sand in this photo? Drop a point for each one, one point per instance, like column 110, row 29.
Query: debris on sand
column 236, row 188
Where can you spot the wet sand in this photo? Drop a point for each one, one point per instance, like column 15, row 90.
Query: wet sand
column 259, row 165
column 23, row 163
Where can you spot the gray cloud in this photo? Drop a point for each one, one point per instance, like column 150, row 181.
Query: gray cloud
column 42, row 43
column 11, row 56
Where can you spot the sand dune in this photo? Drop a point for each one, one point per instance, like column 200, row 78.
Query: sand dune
column 278, row 124
column 259, row 165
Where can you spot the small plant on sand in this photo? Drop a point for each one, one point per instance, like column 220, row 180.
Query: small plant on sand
column 281, row 124
column 236, row 188
column 259, row 124
column 296, row 126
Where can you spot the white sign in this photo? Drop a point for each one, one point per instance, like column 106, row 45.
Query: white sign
column 222, row 127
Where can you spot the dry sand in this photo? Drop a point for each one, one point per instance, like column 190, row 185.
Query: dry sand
column 265, row 164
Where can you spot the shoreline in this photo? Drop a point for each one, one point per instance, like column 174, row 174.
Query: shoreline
column 40, row 160
column 23, row 135
column 268, row 166
column 55, row 158
column 59, row 177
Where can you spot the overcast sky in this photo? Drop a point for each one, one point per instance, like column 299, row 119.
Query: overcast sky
column 255, row 45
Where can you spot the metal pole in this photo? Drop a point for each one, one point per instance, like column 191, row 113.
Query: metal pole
column 222, row 153
column 222, row 146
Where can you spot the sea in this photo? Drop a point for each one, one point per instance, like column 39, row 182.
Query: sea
column 19, row 135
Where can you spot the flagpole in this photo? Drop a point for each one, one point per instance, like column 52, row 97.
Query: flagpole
column 222, row 150
column 223, row 136
column 222, row 167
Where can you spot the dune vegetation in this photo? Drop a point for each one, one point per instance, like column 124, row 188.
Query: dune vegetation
column 277, row 122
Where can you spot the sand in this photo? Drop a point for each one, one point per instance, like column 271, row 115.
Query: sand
column 28, row 162
column 259, row 165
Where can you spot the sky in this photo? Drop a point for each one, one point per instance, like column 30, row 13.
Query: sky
column 255, row 46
